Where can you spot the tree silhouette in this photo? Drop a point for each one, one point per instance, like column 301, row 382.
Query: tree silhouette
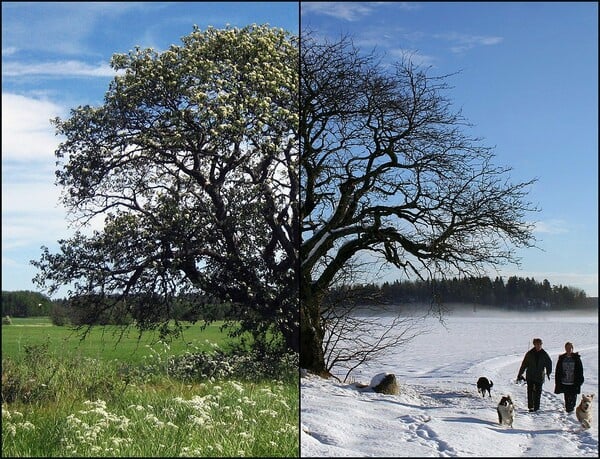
column 387, row 171
column 191, row 168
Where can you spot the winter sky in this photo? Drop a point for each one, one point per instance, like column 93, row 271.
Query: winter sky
column 55, row 56
column 528, row 81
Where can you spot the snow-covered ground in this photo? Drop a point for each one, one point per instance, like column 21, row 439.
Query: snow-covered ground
column 439, row 412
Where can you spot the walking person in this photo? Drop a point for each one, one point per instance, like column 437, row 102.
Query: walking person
column 537, row 364
column 569, row 376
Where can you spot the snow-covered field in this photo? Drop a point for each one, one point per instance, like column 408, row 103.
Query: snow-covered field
column 439, row 412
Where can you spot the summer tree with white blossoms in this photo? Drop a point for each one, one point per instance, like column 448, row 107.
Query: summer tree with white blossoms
column 192, row 163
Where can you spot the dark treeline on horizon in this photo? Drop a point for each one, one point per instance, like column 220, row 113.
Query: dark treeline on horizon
column 26, row 303
column 515, row 293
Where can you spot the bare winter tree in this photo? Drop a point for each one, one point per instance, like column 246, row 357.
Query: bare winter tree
column 359, row 326
column 387, row 171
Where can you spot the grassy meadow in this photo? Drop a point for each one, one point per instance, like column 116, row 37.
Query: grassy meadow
column 141, row 397
column 105, row 342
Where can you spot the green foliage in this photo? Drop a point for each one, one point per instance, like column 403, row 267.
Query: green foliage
column 220, row 364
column 57, row 404
column 59, row 315
column 41, row 376
column 225, row 418
column 193, row 162
column 221, row 419
column 25, row 303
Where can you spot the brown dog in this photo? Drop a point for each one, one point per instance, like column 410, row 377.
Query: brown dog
column 584, row 410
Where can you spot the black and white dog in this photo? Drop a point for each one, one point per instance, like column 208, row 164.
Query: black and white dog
column 484, row 384
column 506, row 411
column 584, row 411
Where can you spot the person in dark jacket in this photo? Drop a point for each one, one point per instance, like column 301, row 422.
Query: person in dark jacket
column 569, row 376
column 538, row 364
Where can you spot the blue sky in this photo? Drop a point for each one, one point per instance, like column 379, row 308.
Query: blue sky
column 55, row 56
column 528, row 82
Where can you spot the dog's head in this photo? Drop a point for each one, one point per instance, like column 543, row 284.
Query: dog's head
column 586, row 401
column 506, row 401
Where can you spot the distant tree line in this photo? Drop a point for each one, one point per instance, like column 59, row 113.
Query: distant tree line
column 515, row 293
column 82, row 311
column 25, row 303
column 110, row 311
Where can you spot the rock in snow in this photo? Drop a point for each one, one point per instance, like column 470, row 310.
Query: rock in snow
column 385, row 383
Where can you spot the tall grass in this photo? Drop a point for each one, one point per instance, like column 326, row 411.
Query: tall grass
column 226, row 419
column 166, row 404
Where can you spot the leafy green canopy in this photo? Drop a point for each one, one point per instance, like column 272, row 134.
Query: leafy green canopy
column 191, row 168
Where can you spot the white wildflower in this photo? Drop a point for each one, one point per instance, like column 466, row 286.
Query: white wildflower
column 238, row 413
column 237, row 386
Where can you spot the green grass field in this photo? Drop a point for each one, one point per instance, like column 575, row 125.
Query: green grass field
column 103, row 342
column 100, row 397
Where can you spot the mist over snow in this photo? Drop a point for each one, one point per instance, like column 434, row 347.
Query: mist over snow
column 439, row 412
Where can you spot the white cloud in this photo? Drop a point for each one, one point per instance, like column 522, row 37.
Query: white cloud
column 407, row 6
column 551, row 227
column 26, row 130
column 26, row 231
column 413, row 56
column 32, row 215
column 9, row 51
column 69, row 68
column 37, row 198
column 10, row 263
column 61, row 27
column 463, row 42
column 351, row 11
column 396, row 43
column 347, row 11
column 31, row 211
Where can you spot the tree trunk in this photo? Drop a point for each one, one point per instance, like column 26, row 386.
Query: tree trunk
column 311, row 333
column 292, row 338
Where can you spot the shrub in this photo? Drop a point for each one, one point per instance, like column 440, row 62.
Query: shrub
column 238, row 364
column 59, row 315
column 11, row 383
column 42, row 376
